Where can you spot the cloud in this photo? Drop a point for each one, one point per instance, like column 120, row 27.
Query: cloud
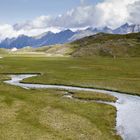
column 7, row 31
column 112, row 13
column 78, row 17
column 134, row 10
column 37, row 23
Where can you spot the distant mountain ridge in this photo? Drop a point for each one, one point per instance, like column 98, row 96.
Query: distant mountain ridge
column 50, row 38
column 126, row 28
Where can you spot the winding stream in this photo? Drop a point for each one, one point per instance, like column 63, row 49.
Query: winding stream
column 128, row 106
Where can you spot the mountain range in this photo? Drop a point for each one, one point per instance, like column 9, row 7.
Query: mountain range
column 50, row 38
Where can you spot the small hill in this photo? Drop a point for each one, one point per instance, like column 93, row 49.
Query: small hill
column 54, row 50
column 107, row 45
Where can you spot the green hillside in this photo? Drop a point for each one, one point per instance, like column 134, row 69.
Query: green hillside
column 108, row 45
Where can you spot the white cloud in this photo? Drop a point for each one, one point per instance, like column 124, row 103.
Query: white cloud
column 79, row 17
column 134, row 10
column 112, row 13
column 7, row 31
column 37, row 23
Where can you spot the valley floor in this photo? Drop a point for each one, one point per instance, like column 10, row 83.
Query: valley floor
column 46, row 114
column 122, row 74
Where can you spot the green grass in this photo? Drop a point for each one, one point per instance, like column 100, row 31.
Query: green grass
column 94, row 96
column 107, row 45
column 46, row 114
column 115, row 74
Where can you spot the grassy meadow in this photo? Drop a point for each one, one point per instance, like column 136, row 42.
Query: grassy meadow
column 122, row 74
column 91, row 96
column 46, row 114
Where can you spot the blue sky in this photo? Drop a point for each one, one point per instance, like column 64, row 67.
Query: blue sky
column 12, row 11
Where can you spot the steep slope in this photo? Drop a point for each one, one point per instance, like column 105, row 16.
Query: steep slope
column 48, row 38
column 88, row 32
column 18, row 42
column 51, row 38
column 126, row 28
column 58, row 38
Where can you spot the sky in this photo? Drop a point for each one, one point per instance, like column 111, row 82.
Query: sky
column 12, row 11
column 33, row 17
